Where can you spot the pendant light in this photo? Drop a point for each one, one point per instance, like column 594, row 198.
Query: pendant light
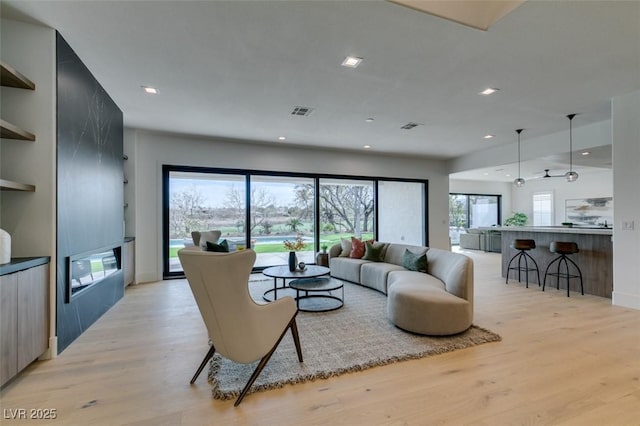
column 519, row 182
column 571, row 176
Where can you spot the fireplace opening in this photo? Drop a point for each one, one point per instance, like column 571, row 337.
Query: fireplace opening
column 88, row 269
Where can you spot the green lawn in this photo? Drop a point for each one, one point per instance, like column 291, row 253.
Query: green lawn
column 329, row 240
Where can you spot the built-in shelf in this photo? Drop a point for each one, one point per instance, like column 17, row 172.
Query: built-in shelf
column 9, row 185
column 11, row 78
column 10, row 131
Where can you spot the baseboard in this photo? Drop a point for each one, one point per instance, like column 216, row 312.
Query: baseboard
column 52, row 350
column 146, row 277
column 626, row 300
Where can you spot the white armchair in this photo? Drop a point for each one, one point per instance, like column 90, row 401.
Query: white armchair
column 239, row 328
column 200, row 238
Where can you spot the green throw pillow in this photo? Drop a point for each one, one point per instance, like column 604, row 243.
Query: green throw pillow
column 222, row 247
column 414, row 262
column 373, row 251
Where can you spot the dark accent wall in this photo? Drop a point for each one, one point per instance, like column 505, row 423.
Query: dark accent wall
column 90, row 210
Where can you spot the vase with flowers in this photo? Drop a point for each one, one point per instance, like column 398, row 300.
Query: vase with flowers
column 294, row 246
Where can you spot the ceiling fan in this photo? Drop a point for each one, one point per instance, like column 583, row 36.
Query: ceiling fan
column 547, row 175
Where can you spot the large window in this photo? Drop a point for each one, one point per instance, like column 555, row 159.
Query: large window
column 202, row 202
column 282, row 209
column 261, row 210
column 472, row 211
column 346, row 209
column 543, row 209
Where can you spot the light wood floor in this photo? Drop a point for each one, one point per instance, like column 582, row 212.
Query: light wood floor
column 562, row 361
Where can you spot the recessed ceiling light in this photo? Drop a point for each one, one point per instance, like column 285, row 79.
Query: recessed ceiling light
column 489, row 91
column 369, row 120
column 366, row 146
column 150, row 90
column 586, row 153
column 351, row 62
column 486, row 174
column 508, row 175
column 281, row 138
column 488, row 136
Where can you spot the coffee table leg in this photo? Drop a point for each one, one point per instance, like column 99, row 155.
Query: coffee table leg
column 275, row 289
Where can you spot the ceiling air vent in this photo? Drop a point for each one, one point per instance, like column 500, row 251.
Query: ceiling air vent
column 300, row 110
column 409, row 126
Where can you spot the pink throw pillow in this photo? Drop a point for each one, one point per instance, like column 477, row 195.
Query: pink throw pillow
column 358, row 248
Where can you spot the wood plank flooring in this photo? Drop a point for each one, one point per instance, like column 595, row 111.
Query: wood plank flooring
column 562, row 361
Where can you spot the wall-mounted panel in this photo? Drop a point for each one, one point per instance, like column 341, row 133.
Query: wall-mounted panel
column 90, row 188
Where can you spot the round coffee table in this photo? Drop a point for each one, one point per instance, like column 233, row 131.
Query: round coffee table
column 312, row 286
column 283, row 272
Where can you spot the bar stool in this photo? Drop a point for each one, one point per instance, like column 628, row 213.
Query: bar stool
column 563, row 249
column 523, row 246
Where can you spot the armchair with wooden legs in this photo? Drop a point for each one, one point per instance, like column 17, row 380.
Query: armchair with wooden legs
column 239, row 328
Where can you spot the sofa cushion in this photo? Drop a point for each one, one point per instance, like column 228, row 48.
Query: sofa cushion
column 223, row 247
column 427, row 310
column 414, row 262
column 395, row 252
column 374, row 251
column 345, row 245
column 474, row 231
column 454, row 269
column 357, row 248
column 414, row 277
column 346, row 268
column 374, row 274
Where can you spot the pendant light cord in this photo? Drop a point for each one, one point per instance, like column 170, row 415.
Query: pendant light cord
column 519, row 131
column 570, row 117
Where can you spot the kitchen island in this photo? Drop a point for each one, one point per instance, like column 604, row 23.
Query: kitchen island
column 595, row 258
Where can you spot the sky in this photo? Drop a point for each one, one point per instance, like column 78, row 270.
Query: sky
column 214, row 192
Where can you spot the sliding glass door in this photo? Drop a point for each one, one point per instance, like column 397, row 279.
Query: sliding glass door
column 472, row 211
column 262, row 210
column 203, row 202
column 282, row 209
column 346, row 209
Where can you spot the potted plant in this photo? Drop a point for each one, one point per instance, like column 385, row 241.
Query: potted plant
column 324, row 248
column 516, row 219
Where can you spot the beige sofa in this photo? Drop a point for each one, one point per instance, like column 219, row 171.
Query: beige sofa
column 438, row 302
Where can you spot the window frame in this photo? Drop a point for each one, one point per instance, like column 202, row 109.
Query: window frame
column 247, row 173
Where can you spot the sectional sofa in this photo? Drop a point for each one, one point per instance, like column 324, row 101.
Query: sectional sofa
column 436, row 301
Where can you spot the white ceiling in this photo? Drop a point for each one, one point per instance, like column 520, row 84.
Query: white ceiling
column 236, row 69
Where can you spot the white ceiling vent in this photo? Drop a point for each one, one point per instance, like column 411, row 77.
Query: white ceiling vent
column 410, row 125
column 300, row 110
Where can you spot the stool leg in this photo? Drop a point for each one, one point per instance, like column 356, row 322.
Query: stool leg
column 547, row 270
column 579, row 274
column 509, row 267
column 566, row 269
column 537, row 269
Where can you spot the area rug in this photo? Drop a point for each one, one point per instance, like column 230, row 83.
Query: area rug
column 355, row 337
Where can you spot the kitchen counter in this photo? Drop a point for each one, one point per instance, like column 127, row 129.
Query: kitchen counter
column 558, row 229
column 595, row 258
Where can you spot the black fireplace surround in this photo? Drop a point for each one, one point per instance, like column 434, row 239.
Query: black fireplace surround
column 90, row 194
